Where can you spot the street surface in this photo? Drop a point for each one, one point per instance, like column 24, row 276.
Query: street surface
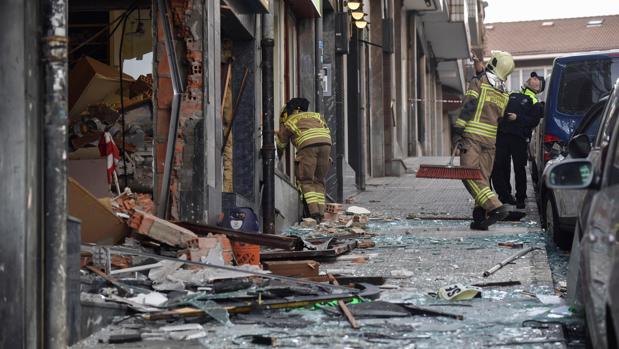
column 417, row 256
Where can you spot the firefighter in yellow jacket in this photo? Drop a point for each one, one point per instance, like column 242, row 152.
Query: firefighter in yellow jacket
column 310, row 134
column 475, row 133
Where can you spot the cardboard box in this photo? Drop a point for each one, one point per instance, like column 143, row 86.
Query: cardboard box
column 89, row 169
column 90, row 82
column 99, row 224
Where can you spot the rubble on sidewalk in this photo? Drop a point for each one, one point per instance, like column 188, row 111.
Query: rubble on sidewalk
column 186, row 275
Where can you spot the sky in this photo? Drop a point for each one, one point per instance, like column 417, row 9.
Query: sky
column 135, row 67
column 523, row 10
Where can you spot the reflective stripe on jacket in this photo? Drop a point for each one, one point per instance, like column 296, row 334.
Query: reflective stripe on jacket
column 483, row 107
column 303, row 129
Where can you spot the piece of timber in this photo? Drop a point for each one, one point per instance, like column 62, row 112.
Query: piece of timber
column 133, row 252
column 284, row 242
column 343, row 307
column 246, row 307
column 333, row 252
column 297, row 268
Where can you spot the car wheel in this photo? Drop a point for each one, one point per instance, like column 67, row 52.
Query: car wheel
column 551, row 220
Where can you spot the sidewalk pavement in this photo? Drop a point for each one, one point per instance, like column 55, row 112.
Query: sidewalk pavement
column 416, row 257
column 400, row 196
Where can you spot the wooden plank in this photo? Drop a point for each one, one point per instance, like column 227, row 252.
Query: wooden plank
column 308, row 254
column 343, row 307
column 300, row 268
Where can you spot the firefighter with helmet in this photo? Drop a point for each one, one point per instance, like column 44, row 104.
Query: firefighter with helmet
column 475, row 134
column 309, row 133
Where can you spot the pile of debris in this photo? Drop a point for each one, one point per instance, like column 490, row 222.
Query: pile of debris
column 157, row 270
column 96, row 108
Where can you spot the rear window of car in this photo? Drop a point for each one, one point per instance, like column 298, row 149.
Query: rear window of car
column 584, row 82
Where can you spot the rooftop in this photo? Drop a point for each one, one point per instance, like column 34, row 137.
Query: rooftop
column 554, row 36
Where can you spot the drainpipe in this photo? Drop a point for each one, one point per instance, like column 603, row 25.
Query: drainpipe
column 357, row 34
column 339, row 115
column 54, row 63
column 177, row 87
column 268, row 133
column 318, row 63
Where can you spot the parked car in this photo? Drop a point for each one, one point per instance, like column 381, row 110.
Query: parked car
column 577, row 82
column 561, row 207
column 594, row 262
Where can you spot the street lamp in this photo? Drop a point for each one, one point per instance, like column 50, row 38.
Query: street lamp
column 361, row 23
column 353, row 5
column 357, row 14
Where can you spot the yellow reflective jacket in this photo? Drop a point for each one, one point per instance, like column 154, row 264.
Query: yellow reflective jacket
column 304, row 129
column 483, row 106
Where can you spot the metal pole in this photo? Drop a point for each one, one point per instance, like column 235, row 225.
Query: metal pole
column 339, row 119
column 177, row 86
column 21, row 139
column 360, row 173
column 508, row 260
column 54, row 60
column 318, row 63
column 268, row 133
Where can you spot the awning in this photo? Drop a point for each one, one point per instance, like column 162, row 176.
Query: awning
column 249, row 6
column 306, row 8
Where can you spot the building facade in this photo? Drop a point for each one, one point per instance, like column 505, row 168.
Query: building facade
column 392, row 86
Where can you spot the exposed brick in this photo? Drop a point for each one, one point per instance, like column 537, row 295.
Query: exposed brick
column 185, row 13
column 160, row 161
column 162, row 230
column 163, row 122
column 165, row 92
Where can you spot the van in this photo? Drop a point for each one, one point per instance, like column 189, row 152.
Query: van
column 577, row 82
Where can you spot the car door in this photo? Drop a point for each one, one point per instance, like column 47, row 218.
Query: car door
column 569, row 201
column 600, row 242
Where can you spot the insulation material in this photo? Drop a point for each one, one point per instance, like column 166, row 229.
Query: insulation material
column 227, row 113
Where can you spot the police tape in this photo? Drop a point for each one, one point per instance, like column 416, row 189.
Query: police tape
column 458, row 101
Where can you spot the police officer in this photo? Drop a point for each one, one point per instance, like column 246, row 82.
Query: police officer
column 524, row 112
column 311, row 136
column 475, row 132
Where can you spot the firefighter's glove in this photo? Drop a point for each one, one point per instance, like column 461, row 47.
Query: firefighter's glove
column 511, row 116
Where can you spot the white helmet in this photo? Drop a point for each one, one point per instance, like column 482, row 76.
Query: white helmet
column 500, row 64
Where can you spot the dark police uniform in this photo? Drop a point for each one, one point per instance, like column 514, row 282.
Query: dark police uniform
column 512, row 143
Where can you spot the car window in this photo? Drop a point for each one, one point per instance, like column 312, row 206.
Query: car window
column 592, row 127
column 612, row 111
column 583, row 83
column 614, row 170
column 613, row 156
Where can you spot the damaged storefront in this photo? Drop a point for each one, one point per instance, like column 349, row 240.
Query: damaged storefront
column 141, row 140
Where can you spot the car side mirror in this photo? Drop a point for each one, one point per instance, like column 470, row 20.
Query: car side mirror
column 570, row 174
column 579, row 146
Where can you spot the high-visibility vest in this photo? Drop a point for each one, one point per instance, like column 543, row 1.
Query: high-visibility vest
column 307, row 128
column 491, row 105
